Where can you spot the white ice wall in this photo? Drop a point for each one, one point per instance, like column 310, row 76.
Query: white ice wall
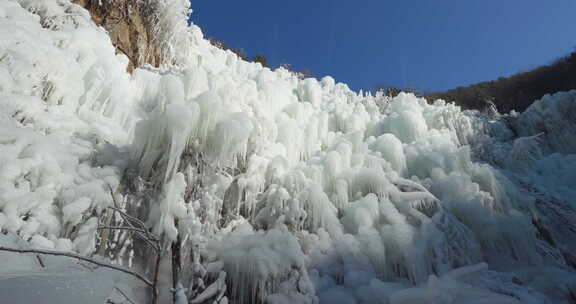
column 330, row 195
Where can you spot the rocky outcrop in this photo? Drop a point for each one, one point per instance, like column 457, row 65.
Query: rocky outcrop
column 128, row 23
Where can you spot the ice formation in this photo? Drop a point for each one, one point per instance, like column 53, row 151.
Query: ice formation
column 281, row 189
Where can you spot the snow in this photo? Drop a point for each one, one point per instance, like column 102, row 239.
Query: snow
column 283, row 189
column 255, row 262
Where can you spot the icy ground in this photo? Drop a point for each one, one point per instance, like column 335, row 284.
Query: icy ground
column 49, row 279
column 281, row 189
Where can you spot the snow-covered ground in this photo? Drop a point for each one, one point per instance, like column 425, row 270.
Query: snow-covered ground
column 282, row 189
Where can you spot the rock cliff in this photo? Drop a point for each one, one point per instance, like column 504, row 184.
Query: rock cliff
column 128, row 23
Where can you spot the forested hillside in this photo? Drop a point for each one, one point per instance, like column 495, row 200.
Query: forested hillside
column 518, row 91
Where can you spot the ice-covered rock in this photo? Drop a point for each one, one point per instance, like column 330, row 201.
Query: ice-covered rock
column 281, row 189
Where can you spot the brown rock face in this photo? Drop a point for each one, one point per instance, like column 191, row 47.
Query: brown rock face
column 128, row 23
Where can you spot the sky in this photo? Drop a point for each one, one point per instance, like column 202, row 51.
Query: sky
column 428, row 45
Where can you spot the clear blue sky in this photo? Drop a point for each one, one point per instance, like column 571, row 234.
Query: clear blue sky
column 425, row 44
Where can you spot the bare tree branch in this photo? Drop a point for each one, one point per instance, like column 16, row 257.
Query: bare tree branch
column 79, row 257
column 136, row 225
column 40, row 261
column 141, row 231
column 133, row 229
column 130, row 220
column 124, row 295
